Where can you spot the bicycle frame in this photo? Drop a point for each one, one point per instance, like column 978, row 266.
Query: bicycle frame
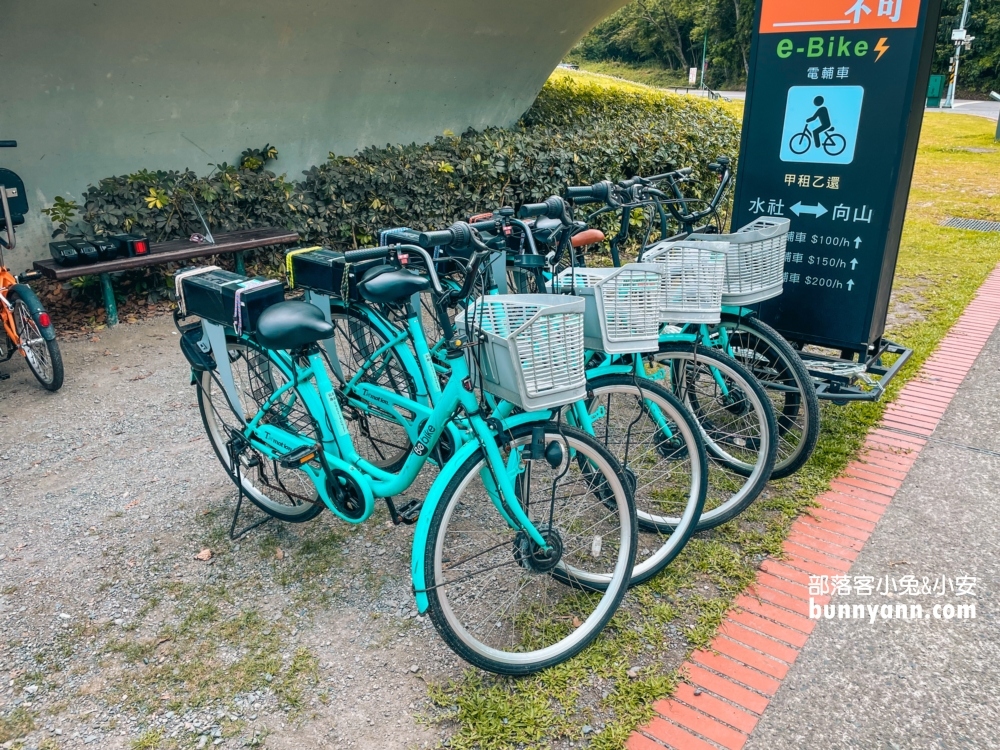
column 308, row 381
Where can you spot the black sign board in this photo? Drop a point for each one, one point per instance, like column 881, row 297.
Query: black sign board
column 834, row 105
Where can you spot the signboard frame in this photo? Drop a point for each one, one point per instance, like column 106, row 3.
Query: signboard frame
column 868, row 335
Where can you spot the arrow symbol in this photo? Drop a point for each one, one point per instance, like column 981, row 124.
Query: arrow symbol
column 850, row 285
column 857, row 242
column 854, row 263
column 818, row 210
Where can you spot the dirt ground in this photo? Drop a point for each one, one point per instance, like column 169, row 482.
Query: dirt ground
column 113, row 634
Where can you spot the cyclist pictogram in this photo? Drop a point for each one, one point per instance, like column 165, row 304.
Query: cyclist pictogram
column 821, row 124
column 822, row 136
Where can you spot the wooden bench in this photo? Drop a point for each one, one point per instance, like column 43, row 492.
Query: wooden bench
column 167, row 252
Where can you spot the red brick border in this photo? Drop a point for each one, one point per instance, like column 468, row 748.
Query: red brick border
column 729, row 685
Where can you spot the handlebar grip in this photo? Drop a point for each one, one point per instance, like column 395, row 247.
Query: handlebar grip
column 581, row 194
column 553, row 208
column 487, row 225
column 8, row 144
column 529, row 210
column 442, row 237
column 368, row 253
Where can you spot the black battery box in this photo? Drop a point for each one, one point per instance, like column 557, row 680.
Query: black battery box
column 107, row 249
column 64, row 253
column 86, row 251
column 211, row 295
column 323, row 270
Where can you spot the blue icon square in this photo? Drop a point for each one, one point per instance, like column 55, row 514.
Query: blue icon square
column 827, row 114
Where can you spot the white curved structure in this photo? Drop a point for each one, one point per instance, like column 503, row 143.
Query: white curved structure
column 106, row 87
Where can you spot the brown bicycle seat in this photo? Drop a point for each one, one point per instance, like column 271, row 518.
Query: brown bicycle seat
column 587, row 237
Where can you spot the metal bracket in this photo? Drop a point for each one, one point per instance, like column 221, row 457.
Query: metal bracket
column 322, row 301
column 216, row 335
column 836, row 378
column 209, row 239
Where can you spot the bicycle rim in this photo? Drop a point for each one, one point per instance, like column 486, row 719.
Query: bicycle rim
column 777, row 366
column 288, row 494
column 37, row 351
column 377, row 432
column 736, row 421
column 493, row 598
column 656, row 441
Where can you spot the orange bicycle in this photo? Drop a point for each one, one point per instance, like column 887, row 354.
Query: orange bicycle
column 27, row 328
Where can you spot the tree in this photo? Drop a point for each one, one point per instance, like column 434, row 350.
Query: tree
column 670, row 33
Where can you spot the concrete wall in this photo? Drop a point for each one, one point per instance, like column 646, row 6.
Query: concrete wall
column 93, row 88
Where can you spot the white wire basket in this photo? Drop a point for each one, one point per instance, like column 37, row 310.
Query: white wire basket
column 755, row 265
column 533, row 353
column 623, row 305
column 694, row 272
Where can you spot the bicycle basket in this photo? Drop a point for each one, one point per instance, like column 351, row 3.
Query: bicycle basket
column 755, row 265
column 622, row 305
column 694, row 272
column 531, row 351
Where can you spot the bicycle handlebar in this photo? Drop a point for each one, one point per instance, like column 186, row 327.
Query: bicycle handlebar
column 368, row 253
column 8, row 144
column 554, row 207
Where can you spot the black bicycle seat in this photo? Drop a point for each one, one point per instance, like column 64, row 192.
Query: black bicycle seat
column 291, row 325
column 391, row 284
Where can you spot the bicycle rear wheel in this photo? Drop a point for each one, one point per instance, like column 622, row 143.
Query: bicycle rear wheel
column 737, row 424
column 657, row 443
column 376, row 431
column 496, row 598
column 286, row 494
column 42, row 356
column 778, row 367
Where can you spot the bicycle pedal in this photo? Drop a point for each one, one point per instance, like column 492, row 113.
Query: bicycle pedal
column 407, row 513
column 297, row 457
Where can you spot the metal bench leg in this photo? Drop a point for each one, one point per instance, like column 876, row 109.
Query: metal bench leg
column 109, row 300
column 240, row 268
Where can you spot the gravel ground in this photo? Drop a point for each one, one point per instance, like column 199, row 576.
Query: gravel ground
column 113, row 634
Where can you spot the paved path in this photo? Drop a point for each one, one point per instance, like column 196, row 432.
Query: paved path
column 927, row 683
column 989, row 109
column 921, row 501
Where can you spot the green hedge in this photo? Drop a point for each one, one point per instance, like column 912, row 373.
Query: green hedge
column 574, row 133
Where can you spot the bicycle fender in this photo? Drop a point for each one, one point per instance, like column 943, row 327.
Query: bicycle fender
column 35, row 307
column 598, row 372
column 422, row 528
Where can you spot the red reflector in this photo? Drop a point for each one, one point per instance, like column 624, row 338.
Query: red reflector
column 44, row 320
column 141, row 247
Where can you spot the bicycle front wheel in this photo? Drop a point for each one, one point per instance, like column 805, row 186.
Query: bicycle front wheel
column 835, row 144
column 737, row 424
column 500, row 601
column 657, row 443
column 43, row 356
column 778, row 367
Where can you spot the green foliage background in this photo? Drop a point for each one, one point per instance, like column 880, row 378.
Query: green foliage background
column 574, row 133
column 670, row 34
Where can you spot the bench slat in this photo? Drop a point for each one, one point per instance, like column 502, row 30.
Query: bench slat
column 174, row 250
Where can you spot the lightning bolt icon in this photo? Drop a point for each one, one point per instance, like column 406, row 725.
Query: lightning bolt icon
column 881, row 47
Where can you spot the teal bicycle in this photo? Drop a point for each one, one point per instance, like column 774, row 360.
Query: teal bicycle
column 644, row 426
column 526, row 518
column 735, row 418
column 754, row 273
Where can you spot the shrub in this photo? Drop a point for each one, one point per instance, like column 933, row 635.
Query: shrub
column 574, row 133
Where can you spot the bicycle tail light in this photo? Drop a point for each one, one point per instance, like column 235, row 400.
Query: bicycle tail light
column 44, row 320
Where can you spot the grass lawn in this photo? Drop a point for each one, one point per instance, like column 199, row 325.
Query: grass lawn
column 598, row 698
column 649, row 75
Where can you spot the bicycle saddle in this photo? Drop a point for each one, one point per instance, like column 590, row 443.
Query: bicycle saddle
column 390, row 284
column 291, row 325
column 587, row 237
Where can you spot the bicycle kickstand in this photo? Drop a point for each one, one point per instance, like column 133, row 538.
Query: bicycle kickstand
column 234, row 460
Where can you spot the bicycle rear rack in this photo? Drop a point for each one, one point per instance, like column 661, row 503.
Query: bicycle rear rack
column 844, row 380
